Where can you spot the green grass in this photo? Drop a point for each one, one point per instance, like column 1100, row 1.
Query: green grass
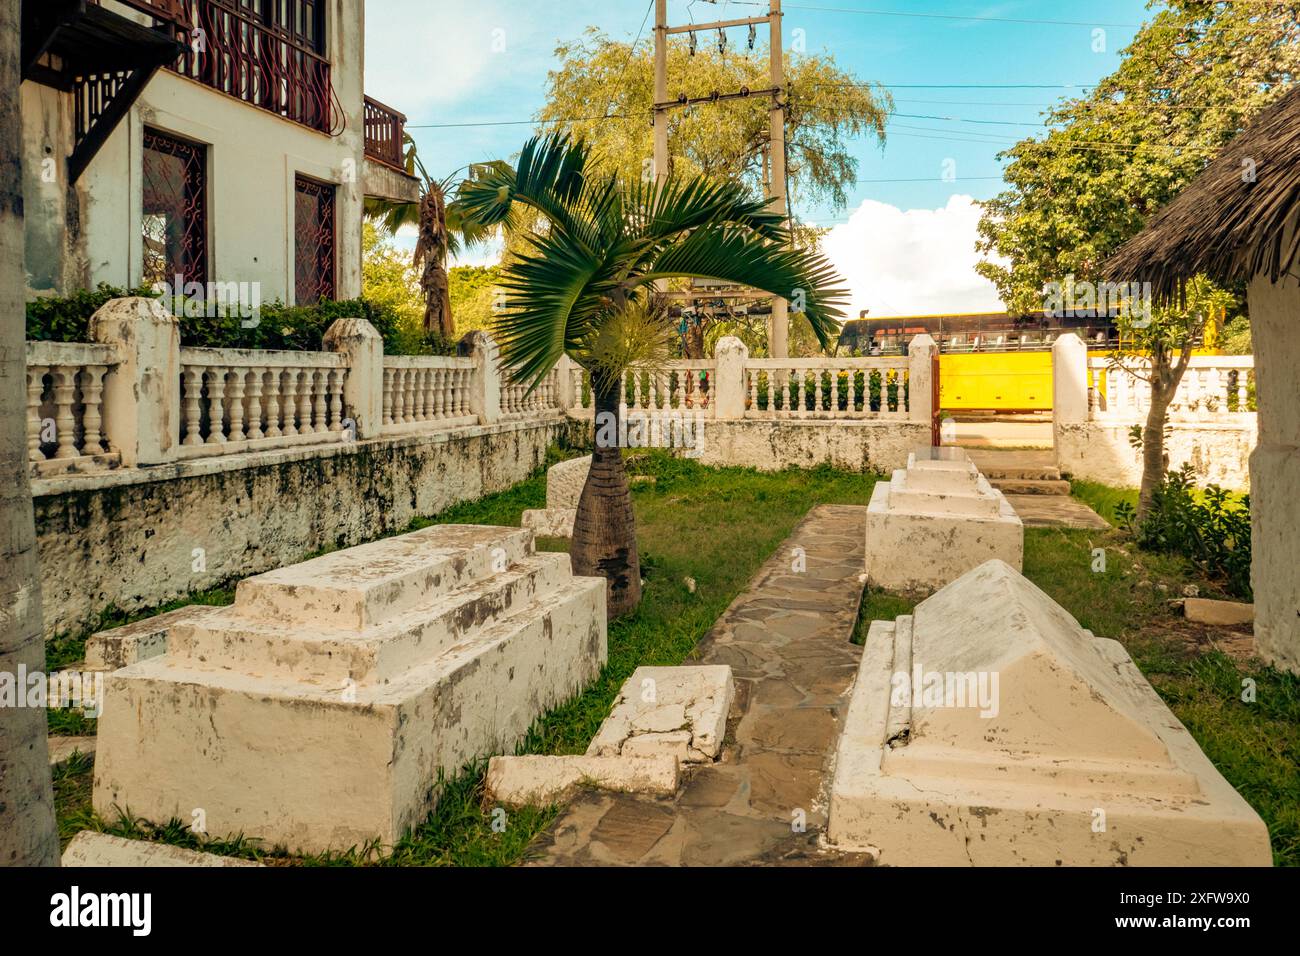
column 700, row 523
column 1102, row 498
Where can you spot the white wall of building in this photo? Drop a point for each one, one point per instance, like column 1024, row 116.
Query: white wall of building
column 253, row 158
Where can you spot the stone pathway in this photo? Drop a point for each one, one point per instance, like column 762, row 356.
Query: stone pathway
column 787, row 639
column 1034, row 488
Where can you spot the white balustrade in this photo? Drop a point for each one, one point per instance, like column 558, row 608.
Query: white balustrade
column 65, row 407
column 1213, row 387
column 682, row 385
column 827, row 388
column 423, row 392
column 518, row 402
column 237, row 400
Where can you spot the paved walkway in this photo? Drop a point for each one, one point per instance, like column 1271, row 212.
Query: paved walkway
column 787, row 639
column 1050, row 506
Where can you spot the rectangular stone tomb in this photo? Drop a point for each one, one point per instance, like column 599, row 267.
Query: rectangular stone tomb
column 316, row 711
column 988, row 728
column 935, row 520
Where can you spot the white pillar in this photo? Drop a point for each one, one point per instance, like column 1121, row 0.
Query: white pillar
column 566, row 394
column 1069, row 379
column 921, row 352
column 363, row 387
column 485, row 386
column 142, row 393
column 1275, row 471
column 729, row 390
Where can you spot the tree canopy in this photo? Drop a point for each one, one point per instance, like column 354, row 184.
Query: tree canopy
column 827, row 109
column 1193, row 76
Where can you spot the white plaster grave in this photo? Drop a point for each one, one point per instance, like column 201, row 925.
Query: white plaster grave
column 936, row 519
column 89, row 848
column 662, row 718
column 564, row 482
column 990, row 729
column 316, row 711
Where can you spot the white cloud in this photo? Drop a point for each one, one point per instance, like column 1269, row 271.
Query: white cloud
column 911, row 262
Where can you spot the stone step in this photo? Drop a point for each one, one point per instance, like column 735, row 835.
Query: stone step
column 332, row 656
column 963, row 498
column 1031, row 486
column 996, row 473
column 367, row 585
column 305, row 766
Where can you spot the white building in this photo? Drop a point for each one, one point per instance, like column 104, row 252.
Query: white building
column 223, row 141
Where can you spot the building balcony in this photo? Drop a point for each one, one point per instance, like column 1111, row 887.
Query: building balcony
column 386, row 176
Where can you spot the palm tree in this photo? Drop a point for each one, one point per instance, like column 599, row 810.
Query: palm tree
column 583, row 284
column 439, row 233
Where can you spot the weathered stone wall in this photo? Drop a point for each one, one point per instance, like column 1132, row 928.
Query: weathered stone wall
column 137, row 538
column 1219, row 453
column 877, row 445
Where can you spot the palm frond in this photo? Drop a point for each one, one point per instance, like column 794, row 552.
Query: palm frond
column 738, row 256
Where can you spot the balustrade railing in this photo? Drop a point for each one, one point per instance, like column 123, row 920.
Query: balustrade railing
column 518, row 402
column 422, row 391
column 65, row 400
column 1214, row 387
column 235, row 400
column 827, row 388
column 684, row 385
column 385, row 133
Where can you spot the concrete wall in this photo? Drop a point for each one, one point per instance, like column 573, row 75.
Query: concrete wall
column 880, row 445
column 129, row 538
column 91, row 232
column 1100, row 451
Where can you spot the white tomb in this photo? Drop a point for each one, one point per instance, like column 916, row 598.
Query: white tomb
column 935, row 520
column 317, row 710
column 989, row 729
column 564, row 484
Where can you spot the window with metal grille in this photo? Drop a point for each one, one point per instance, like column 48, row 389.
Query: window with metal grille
column 175, row 210
column 313, row 224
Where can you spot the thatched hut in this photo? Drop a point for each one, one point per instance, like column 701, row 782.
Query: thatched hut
column 1240, row 221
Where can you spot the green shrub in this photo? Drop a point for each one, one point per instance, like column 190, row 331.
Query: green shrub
column 1208, row 527
column 278, row 326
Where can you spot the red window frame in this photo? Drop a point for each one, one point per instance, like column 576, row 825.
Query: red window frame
column 174, row 209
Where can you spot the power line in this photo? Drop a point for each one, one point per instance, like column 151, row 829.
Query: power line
column 946, row 16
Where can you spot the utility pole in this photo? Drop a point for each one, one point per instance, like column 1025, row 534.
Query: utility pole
column 774, row 164
column 778, row 339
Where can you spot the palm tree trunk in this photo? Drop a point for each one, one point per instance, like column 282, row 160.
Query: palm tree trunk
column 28, row 836
column 604, row 530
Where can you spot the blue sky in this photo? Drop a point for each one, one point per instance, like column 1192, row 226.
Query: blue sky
column 969, row 87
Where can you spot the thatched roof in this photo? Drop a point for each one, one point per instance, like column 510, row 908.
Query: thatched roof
column 1223, row 224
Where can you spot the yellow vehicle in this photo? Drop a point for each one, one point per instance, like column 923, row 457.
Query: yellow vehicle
column 989, row 361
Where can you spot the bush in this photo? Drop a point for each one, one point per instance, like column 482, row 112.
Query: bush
column 1208, row 527
column 279, row 326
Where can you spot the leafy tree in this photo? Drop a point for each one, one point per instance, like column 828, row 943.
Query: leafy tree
column 584, row 288
column 473, row 296
column 439, row 232
column 1194, row 75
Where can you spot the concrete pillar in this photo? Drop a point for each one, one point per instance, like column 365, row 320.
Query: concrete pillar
column 566, row 391
column 729, row 377
column 1275, row 471
column 142, row 394
column 1070, row 379
column 485, row 388
column 921, row 352
column 363, row 389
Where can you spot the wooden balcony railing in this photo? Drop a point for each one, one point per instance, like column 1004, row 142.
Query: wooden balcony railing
column 169, row 11
column 385, row 134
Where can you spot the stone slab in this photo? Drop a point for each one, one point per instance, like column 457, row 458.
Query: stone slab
column 89, row 848
column 989, row 728
column 543, row 780
column 1055, row 511
column 672, row 707
column 63, row 749
column 1218, row 613
column 550, row 522
column 564, row 481
column 139, row 641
